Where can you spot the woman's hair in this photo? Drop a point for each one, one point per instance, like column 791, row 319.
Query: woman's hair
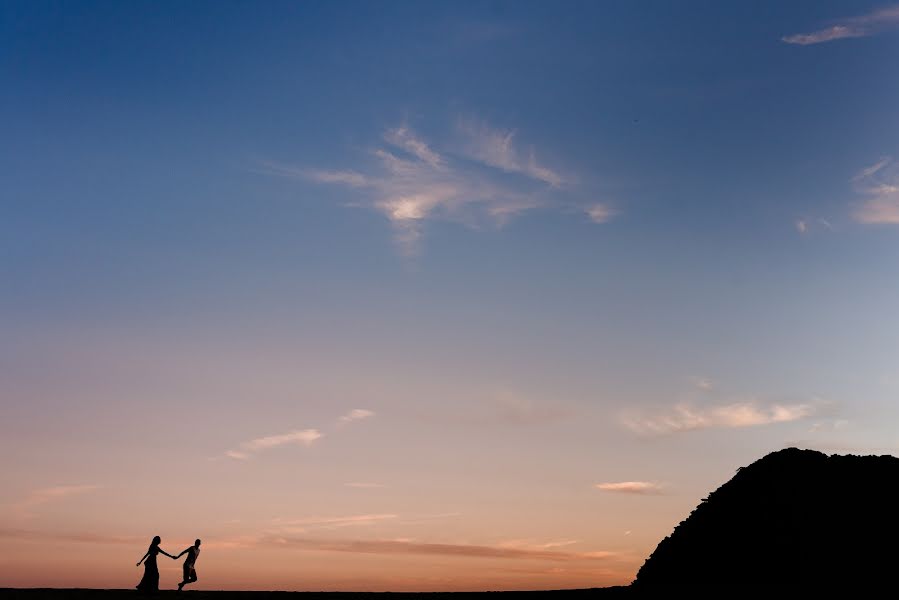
column 156, row 541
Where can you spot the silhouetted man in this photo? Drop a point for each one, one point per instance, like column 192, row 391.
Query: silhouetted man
column 190, row 573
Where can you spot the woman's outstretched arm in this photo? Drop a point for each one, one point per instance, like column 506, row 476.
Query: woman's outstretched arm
column 142, row 560
column 166, row 553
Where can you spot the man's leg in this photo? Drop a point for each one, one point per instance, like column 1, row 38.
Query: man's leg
column 186, row 579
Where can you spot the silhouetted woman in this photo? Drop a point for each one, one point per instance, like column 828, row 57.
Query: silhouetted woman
column 150, row 581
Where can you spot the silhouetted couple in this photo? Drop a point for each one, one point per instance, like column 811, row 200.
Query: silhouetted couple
column 150, row 581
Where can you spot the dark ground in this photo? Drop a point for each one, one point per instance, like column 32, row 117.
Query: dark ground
column 85, row 594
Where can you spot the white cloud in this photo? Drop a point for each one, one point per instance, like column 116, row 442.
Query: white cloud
column 299, row 437
column 302, row 437
column 496, row 148
column 403, row 138
column 411, row 183
column 357, row 414
column 630, row 487
column 879, row 186
column 873, row 169
column 806, row 226
column 599, row 213
column 871, row 23
column 686, row 417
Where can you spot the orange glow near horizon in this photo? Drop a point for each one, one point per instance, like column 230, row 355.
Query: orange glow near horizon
column 242, row 565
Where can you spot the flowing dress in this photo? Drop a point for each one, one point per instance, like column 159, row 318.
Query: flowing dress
column 150, row 581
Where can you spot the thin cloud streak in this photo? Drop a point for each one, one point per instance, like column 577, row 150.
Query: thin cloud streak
column 643, row 488
column 418, row 548
column 298, row 437
column 345, row 521
column 687, row 417
column 357, row 414
column 808, row 226
column 402, row 137
column 879, row 186
column 246, row 541
column 386, row 547
column 42, row 496
column 878, row 21
column 81, row 537
column 496, row 148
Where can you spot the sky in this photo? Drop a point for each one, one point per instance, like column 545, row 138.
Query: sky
column 430, row 295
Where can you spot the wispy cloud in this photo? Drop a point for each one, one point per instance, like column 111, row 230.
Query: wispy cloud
column 411, row 547
column 402, row 137
column 872, row 23
column 513, row 409
column 702, row 383
column 600, row 213
column 341, row 521
column 534, row 545
column 245, row 541
column 687, row 417
column 631, row 487
column 412, row 182
column 45, row 495
column 805, row 226
column 357, row 414
column 497, row 148
column 878, row 185
column 501, row 408
column 357, row 546
column 53, row 536
column 298, row 437
column 829, row 425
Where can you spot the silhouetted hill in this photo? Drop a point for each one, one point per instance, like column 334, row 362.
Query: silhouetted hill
column 792, row 518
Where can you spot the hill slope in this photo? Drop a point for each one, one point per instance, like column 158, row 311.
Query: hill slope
column 794, row 517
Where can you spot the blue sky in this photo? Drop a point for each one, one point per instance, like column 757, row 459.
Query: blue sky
column 659, row 232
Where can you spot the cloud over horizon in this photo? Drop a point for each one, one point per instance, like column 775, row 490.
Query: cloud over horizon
column 436, row 549
column 688, row 417
column 354, row 546
column 872, row 23
column 631, row 487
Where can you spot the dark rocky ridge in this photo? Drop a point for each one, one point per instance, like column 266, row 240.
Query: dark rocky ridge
column 792, row 518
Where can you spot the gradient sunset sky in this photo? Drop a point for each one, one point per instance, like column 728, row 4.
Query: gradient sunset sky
column 430, row 295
